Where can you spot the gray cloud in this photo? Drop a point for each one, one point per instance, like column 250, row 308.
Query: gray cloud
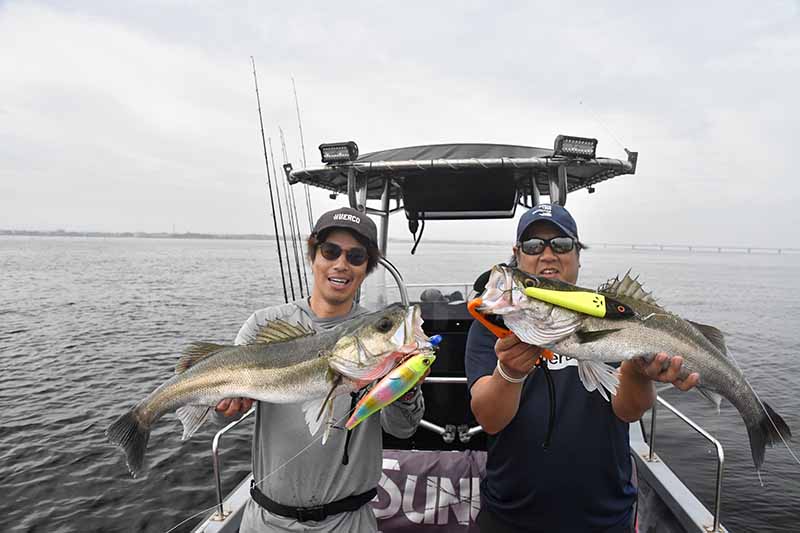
column 142, row 115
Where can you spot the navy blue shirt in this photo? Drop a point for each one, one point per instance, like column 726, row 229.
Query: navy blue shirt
column 582, row 481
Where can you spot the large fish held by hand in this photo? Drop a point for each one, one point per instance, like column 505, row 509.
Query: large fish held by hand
column 621, row 321
column 286, row 364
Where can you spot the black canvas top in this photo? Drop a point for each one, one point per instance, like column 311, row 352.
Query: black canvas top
column 446, row 169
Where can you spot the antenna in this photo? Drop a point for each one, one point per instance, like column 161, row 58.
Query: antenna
column 303, row 151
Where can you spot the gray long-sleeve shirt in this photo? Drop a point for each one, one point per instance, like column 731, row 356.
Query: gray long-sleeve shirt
column 295, row 469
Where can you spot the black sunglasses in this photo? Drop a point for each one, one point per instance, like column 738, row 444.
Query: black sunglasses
column 356, row 256
column 535, row 246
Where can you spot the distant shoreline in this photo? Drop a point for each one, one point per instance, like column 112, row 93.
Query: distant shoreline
column 165, row 235
column 262, row 237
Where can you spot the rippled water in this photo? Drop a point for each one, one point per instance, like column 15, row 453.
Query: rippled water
column 90, row 326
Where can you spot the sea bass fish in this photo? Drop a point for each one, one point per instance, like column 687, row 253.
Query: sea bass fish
column 285, row 364
column 393, row 385
column 643, row 329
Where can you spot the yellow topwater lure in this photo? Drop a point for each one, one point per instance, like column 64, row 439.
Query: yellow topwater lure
column 590, row 303
column 395, row 384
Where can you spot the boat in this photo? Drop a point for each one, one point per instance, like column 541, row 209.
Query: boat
column 430, row 481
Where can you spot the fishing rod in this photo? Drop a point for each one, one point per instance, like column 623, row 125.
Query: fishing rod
column 293, row 220
column 280, row 215
column 269, row 182
column 303, row 151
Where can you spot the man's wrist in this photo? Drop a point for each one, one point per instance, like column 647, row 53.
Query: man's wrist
column 507, row 376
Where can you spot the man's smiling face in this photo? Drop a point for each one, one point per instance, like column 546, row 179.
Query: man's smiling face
column 336, row 281
column 548, row 264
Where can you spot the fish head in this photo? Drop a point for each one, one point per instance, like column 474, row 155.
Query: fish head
column 534, row 321
column 380, row 339
column 504, row 292
column 538, row 309
column 498, row 295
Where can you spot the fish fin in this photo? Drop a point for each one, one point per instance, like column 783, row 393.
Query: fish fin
column 131, row 434
column 711, row 396
column 585, row 337
column 192, row 417
column 311, row 410
column 715, row 336
column 544, row 335
column 598, row 376
column 627, row 286
column 337, row 380
column 328, row 424
column 281, row 331
column 769, row 429
column 196, row 352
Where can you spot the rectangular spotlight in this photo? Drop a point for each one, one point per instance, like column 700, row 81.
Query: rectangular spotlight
column 339, row 152
column 569, row 146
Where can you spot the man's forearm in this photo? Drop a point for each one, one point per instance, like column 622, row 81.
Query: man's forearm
column 635, row 395
column 495, row 402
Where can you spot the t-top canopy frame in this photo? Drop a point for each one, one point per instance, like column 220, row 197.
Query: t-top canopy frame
column 460, row 168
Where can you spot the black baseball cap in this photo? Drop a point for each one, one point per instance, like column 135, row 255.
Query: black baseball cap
column 348, row 218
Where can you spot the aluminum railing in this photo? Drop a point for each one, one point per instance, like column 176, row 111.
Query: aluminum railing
column 466, row 286
column 449, row 432
column 464, row 433
column 221, row 514
column 720, row 452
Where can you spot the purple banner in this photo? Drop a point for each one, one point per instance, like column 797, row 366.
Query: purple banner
column 429, row 491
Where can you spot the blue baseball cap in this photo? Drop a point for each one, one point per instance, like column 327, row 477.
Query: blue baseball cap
column 553, row 213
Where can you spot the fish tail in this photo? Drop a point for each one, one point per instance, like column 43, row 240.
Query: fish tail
column 131, row 434
column 769, row 429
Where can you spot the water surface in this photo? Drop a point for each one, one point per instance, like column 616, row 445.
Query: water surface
column 88, row 326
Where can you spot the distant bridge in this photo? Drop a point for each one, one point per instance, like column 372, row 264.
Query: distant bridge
column 697, row 248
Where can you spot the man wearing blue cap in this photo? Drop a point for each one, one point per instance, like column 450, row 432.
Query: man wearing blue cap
column 582, row 480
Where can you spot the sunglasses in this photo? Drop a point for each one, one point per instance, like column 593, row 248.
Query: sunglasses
column 535, row 246
column 356, row 256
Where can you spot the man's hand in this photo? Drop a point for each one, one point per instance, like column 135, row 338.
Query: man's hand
column 665, row 370
column 518, row 358
column 234, row 406
column 636, row 393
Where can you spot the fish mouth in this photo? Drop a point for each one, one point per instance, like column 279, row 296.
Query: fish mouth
column 414, row 339
column 499, row 296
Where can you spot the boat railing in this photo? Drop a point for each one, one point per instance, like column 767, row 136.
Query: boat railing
column 464, row 433
column 466, row 286
column 449, row 432
column 220, row 514
column 651, row 457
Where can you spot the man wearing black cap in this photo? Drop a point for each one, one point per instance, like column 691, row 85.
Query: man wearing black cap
column 582, row 480
column 341, row 475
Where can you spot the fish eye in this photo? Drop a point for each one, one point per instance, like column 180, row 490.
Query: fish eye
column 384, row 325
column 621, row 308
column 426, row 361
column 530, row 282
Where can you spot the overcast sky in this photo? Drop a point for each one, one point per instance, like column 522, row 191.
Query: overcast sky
column 141, row 116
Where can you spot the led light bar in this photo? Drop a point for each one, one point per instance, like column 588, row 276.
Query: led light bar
column 339, row 152
column 582, row 147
